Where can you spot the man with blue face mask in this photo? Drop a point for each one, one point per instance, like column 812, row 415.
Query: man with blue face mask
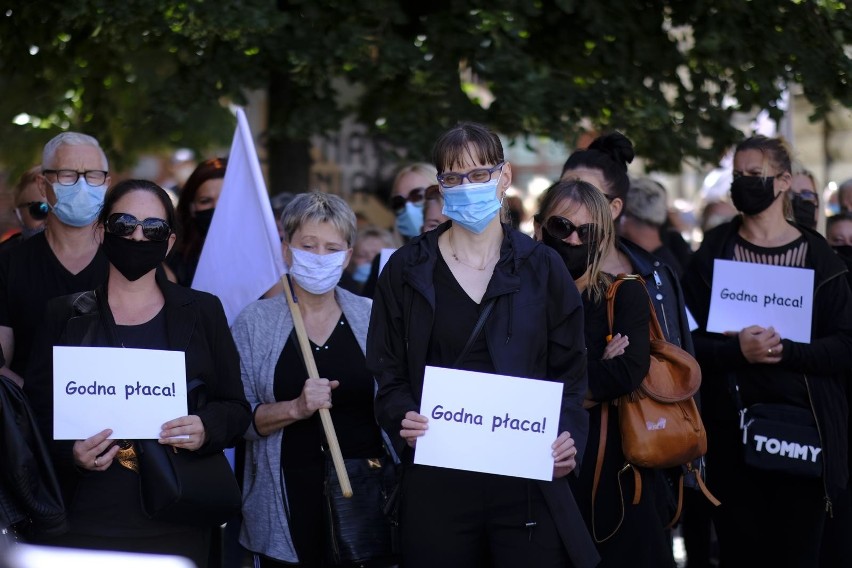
column 63, row 259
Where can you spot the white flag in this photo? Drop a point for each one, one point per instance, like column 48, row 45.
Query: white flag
column 241, row 258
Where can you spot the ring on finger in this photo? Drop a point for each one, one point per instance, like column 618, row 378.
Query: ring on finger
column 96, row 462
column 770, row 351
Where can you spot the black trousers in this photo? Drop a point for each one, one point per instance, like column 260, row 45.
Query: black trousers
column 765, row 519
column 453, row 518
column 193, row 544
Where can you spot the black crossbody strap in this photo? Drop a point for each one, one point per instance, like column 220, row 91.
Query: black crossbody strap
column 477, row 329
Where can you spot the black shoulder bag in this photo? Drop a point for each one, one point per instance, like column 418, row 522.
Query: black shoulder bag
column 780, row 438
column 181, row 486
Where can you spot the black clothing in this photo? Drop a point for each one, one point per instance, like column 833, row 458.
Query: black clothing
column 368, row 290
column 183, row 267
column 30, row 275
column 30, row 498
column 749, row 514
column 455, row 315
column 666, row 294
column 106, row 504
column 668, row 258
column 348, row 283
column 302, row 459
column 677, row 245
column 466, row 519
column 534, row 330
column 640, row 540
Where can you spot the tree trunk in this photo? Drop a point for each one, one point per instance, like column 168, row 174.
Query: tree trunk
column 289, row 159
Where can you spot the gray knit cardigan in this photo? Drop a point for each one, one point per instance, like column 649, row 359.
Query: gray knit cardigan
column 260, row 332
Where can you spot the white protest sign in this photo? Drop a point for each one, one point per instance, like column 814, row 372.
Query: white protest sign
column 384, row 256
column 131, row 391
column 745, row 294
column 489, row 423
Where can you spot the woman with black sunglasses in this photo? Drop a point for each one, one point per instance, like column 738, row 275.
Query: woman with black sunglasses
column 575, row 221
column 138, row 308
column 429, row 298
column 604, row 165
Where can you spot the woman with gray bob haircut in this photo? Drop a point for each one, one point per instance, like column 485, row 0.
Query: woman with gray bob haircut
column 283, row 498
column 321, row 207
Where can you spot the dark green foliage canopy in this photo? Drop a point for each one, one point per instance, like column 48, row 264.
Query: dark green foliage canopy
column 142, row 75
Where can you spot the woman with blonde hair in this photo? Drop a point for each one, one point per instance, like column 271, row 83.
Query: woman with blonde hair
column 576, row 222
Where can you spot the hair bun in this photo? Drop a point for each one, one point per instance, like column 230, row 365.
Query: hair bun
column 617, row 146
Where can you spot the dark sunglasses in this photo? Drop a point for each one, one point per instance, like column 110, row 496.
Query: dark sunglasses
column 38, row 209
column 414, row 196
column 123, row 225
column 561, row 228
column 432, row 192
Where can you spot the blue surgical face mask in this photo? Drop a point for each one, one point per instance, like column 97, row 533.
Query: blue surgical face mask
column 362, row 272
column 409, row 221
column 472, row 205
column 78, row 205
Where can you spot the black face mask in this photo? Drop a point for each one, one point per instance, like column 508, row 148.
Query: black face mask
column 844, row 252
column 804, row 212
column 576, row 258
column 134, row 259
column 203, row 219
column 753, row 194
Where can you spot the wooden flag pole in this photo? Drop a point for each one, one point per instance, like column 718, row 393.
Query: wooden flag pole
column 313, row 373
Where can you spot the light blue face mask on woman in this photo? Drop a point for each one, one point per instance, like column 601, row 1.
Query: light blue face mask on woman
column 409, row 220
column 362, row 272
column 472, row 205
column 78, row 205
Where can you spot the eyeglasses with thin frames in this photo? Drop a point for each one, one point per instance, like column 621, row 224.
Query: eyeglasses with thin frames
column 479, row 175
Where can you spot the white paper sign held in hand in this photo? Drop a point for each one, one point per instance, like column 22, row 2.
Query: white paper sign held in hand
column 131, row 391
column 745, row 294
column 489, row 423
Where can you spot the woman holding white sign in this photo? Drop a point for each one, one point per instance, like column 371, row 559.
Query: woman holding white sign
column 138, row 308
column 430, row 298
column 776, row 495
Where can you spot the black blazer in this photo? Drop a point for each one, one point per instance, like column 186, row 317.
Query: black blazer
column 195, row 323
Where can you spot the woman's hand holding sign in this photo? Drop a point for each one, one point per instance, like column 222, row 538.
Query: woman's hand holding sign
column 760, row 345
column 95, row 453
column 186, row 432
column 564, row 455
column 414, row 425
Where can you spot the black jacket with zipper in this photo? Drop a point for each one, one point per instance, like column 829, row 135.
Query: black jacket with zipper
column 823, row 362
column 535, row 330
column 665, row 291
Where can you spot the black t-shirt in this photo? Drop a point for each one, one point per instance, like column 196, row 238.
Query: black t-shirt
column 107, row 503
column 455, row 316
column 773, row 383
column 340, row 359
column 30, row 275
